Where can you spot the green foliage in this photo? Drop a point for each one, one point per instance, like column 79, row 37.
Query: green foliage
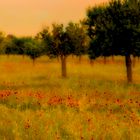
column 15, row 45
column 114, row 29
column 2, row 36
column 9, row 45
column 61, row 41
column 78, row 38
column 20, row 45
column 46, row 39
column 33, row 48
column 71, row 39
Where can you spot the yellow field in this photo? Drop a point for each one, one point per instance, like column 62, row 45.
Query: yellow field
column 93, row 103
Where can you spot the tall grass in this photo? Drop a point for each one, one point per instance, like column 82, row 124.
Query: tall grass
column 93, row 102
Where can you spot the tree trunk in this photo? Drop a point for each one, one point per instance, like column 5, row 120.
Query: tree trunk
column 72, row 56
column 8, row 55
column 128, row 63
column 138, row 58
column 80, row 58
column 134, row 61
column 105, row 60
column 112, row 58
column 63, row 66
column 23, row 56
column 33, row 62
column 91, row 62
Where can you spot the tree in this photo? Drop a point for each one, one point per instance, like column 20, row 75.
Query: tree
column 15, row 45
column 2, row 37
column 61, row 45
column 9, row 44
column 45, row 37
column 33, row 49
column 78, row 37
column 58, row 44
column 20, row 47
column 114, row 29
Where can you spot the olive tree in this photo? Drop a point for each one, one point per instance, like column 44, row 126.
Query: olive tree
column 114, row 29
column 33, row 49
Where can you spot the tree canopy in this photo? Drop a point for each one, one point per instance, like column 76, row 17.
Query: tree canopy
column 62, row 41
column 114, row 29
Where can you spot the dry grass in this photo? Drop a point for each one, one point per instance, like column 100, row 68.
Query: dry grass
column 93, row 103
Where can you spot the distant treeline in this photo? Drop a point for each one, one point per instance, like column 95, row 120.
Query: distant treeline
column 107, row 30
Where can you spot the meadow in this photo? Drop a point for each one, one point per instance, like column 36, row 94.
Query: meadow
column 93, row 103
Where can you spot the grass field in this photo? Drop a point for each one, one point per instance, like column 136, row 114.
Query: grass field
column 93, row 103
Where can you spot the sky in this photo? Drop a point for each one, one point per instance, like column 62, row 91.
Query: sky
column 27, row 17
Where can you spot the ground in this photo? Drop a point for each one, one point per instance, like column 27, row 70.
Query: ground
column 93, row 103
